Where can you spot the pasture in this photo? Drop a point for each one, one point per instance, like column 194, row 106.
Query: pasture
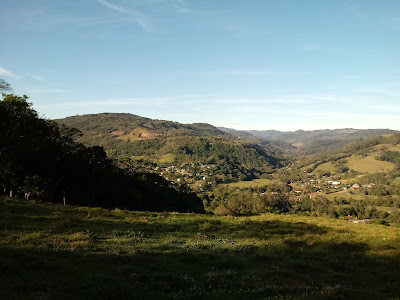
column 50, row 251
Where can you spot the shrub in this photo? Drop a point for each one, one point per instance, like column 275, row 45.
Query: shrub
column 382, row 222
column 222, row 210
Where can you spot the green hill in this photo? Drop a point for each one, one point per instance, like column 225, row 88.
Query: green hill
column 279, row 144
column 238, row 133
column 50, row 251
column 306, row 136
column 315, row 141
column 373, row 155
column 175, row 144
column 366, row 169
column 132, row 127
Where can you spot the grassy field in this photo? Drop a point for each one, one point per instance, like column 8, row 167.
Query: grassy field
column 394, row 148
column 50, row 251
column 252, row 183
column 369, row 165
column 328, row 166
column 167, row 158
column 346, row 195
column 137, row 134
column 356, row 196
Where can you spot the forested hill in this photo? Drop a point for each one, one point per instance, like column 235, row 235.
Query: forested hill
column 317, row 141
column 172, row 143
column 133, row 127
column 238, row 133
column 377, row 155
column 308, row 136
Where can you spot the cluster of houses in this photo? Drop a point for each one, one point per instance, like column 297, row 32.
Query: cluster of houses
column 191, row 173
column 331, row 185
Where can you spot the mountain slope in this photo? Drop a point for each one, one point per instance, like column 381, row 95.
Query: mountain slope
column 172, row 143
column 315, row 141
column 279, row 144
column 238, row 133
column 129, row 126
column 302, row 136
column 377, row 156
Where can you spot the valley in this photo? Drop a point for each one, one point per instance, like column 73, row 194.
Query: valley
column 236, row 172
column 121, row 206
column 182, row 149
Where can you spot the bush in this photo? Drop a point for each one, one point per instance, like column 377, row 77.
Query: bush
column 394, row 217
column 222, row 210
column 382, row 222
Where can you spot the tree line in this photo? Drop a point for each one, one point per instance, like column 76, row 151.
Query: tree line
column 41, row 160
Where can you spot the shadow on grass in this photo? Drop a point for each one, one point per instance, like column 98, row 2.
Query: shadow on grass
column 184, row 274
column 181, row 257
column 325, row 270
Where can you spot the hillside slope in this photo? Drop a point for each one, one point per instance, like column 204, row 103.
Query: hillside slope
column 132, row 127
column 368, row 169
column 52, row 251
column 315, row 141
column 306, row 136
column 174, row 144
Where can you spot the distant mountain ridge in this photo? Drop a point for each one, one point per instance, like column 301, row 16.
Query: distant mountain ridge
column 311, row 141
column 303, row 136
column 238, row 133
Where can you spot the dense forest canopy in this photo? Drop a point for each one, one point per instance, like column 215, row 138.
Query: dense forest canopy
column 134, row 136
column 125, row 124
column 303, row 136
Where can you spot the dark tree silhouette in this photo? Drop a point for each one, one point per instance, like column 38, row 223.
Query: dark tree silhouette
column 39, row 159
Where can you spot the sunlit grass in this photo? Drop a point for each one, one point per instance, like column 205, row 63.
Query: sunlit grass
column 369, row 165
column 55, row 251
column 327, row 167
column 167, row 158
column 252, row 183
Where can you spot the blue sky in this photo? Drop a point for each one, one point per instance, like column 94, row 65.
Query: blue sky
column 260, row 64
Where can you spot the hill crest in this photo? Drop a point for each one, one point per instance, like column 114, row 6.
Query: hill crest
column 130, row 126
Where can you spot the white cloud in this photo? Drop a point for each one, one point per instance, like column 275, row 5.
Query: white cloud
column 136, row 17
column 295, row 99
column 125, row 101
column 254, row 73
column 8, row 73
column 180, row 6
column 112, row 6
column 46, row 91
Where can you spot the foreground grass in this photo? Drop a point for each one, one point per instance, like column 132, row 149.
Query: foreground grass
column 51, row 251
